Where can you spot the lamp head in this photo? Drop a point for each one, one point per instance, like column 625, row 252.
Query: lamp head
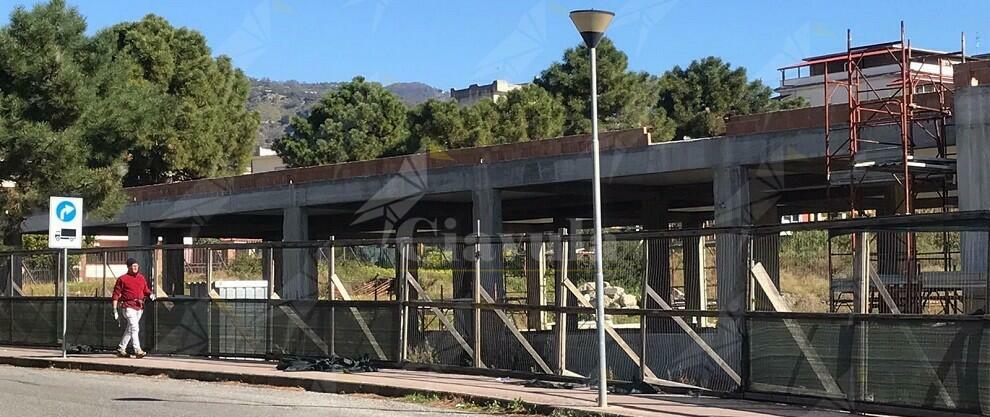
column 591, row 24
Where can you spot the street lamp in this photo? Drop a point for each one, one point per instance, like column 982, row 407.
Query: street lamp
column 592, row 24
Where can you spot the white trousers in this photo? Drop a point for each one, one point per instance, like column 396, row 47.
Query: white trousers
column 133, row 317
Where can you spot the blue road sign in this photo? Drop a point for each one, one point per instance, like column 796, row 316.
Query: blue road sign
column 66, row 211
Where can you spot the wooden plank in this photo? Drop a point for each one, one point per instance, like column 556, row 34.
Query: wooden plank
column 696, row 338
column 673, row 384
column 308, row 331
column 943, row 393
column 515, row 332
column 882, row 289
column 809, row 351
column 443, row 317
column 612, row 333
column 359, row 318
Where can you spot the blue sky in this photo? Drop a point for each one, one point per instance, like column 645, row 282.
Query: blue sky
column 456, row 43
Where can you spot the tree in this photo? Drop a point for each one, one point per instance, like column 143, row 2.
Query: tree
column 436, row 125
column 699, row 97
column 180, row 113
column 44, row 93
column 358, row 121
column 480, row 121
column 625, row 98
column 529, row 113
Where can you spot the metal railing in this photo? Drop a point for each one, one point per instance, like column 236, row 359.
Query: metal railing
column 844, row 312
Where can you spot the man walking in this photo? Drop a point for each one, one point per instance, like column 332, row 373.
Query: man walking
column 129, row 293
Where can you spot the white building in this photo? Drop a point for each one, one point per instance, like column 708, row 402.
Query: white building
column 265, row 160
column 475, row 93
column 882, row 71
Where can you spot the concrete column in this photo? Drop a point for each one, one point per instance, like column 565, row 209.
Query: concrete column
column 972, row 125
column 487, row 213
column 487, row 210
column 173, row 268
column 299, row 266
column 656, row 262
column 462, row 276
column 463, row 259
column 139, row 234
column 766, row 247
column 732, row 208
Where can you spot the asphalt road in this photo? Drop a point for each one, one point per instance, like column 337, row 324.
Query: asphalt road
column 26, row 392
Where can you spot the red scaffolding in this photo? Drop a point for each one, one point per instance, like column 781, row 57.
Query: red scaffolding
column 914, row 102
column 887, row 86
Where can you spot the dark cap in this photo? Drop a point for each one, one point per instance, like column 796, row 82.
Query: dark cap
column 130, row 261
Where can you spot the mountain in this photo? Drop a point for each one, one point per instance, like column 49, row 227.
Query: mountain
column 416, row 93
column 277, row 101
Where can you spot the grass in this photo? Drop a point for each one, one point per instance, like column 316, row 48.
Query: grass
column 514, row 407
column 89, row 288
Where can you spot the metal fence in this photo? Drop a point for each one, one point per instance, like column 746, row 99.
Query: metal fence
column 884, row 312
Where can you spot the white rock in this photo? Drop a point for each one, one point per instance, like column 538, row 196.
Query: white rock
column 629, row 301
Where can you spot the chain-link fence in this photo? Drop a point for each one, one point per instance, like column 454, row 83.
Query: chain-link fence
column 860, row 312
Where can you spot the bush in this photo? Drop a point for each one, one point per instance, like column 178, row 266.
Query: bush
column 246, row 265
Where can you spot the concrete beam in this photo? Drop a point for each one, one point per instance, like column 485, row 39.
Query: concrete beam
column 698, row 154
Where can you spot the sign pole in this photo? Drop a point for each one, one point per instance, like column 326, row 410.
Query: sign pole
column 65, row 231
column 65, row 300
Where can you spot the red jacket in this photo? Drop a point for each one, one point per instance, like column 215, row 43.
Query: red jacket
column 131, row 290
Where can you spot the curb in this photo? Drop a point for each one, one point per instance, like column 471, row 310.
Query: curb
column 328, row 387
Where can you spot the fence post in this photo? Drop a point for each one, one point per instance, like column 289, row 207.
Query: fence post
column 743, row 323
column 209, row 270
column 209, row 297
column 561, row 252
column 332, row 269
column 268, row 261
column 10, row 278
column 331, row 272
column 476, row 297
column 401, row 268
column 106, row 265
column 986, row 288
column 642, row 317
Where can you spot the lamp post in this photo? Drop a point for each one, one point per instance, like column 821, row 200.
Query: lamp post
column 592, row 24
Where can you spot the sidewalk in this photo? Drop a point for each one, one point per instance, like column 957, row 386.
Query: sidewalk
column 394, row 383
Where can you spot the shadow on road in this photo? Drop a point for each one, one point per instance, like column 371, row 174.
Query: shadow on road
column 147, row 399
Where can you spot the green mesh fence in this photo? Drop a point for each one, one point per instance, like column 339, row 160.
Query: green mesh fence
column 926, row 363
column 182, row 327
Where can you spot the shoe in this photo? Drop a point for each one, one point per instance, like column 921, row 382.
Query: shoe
column 139, row 354
column 121, row 353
